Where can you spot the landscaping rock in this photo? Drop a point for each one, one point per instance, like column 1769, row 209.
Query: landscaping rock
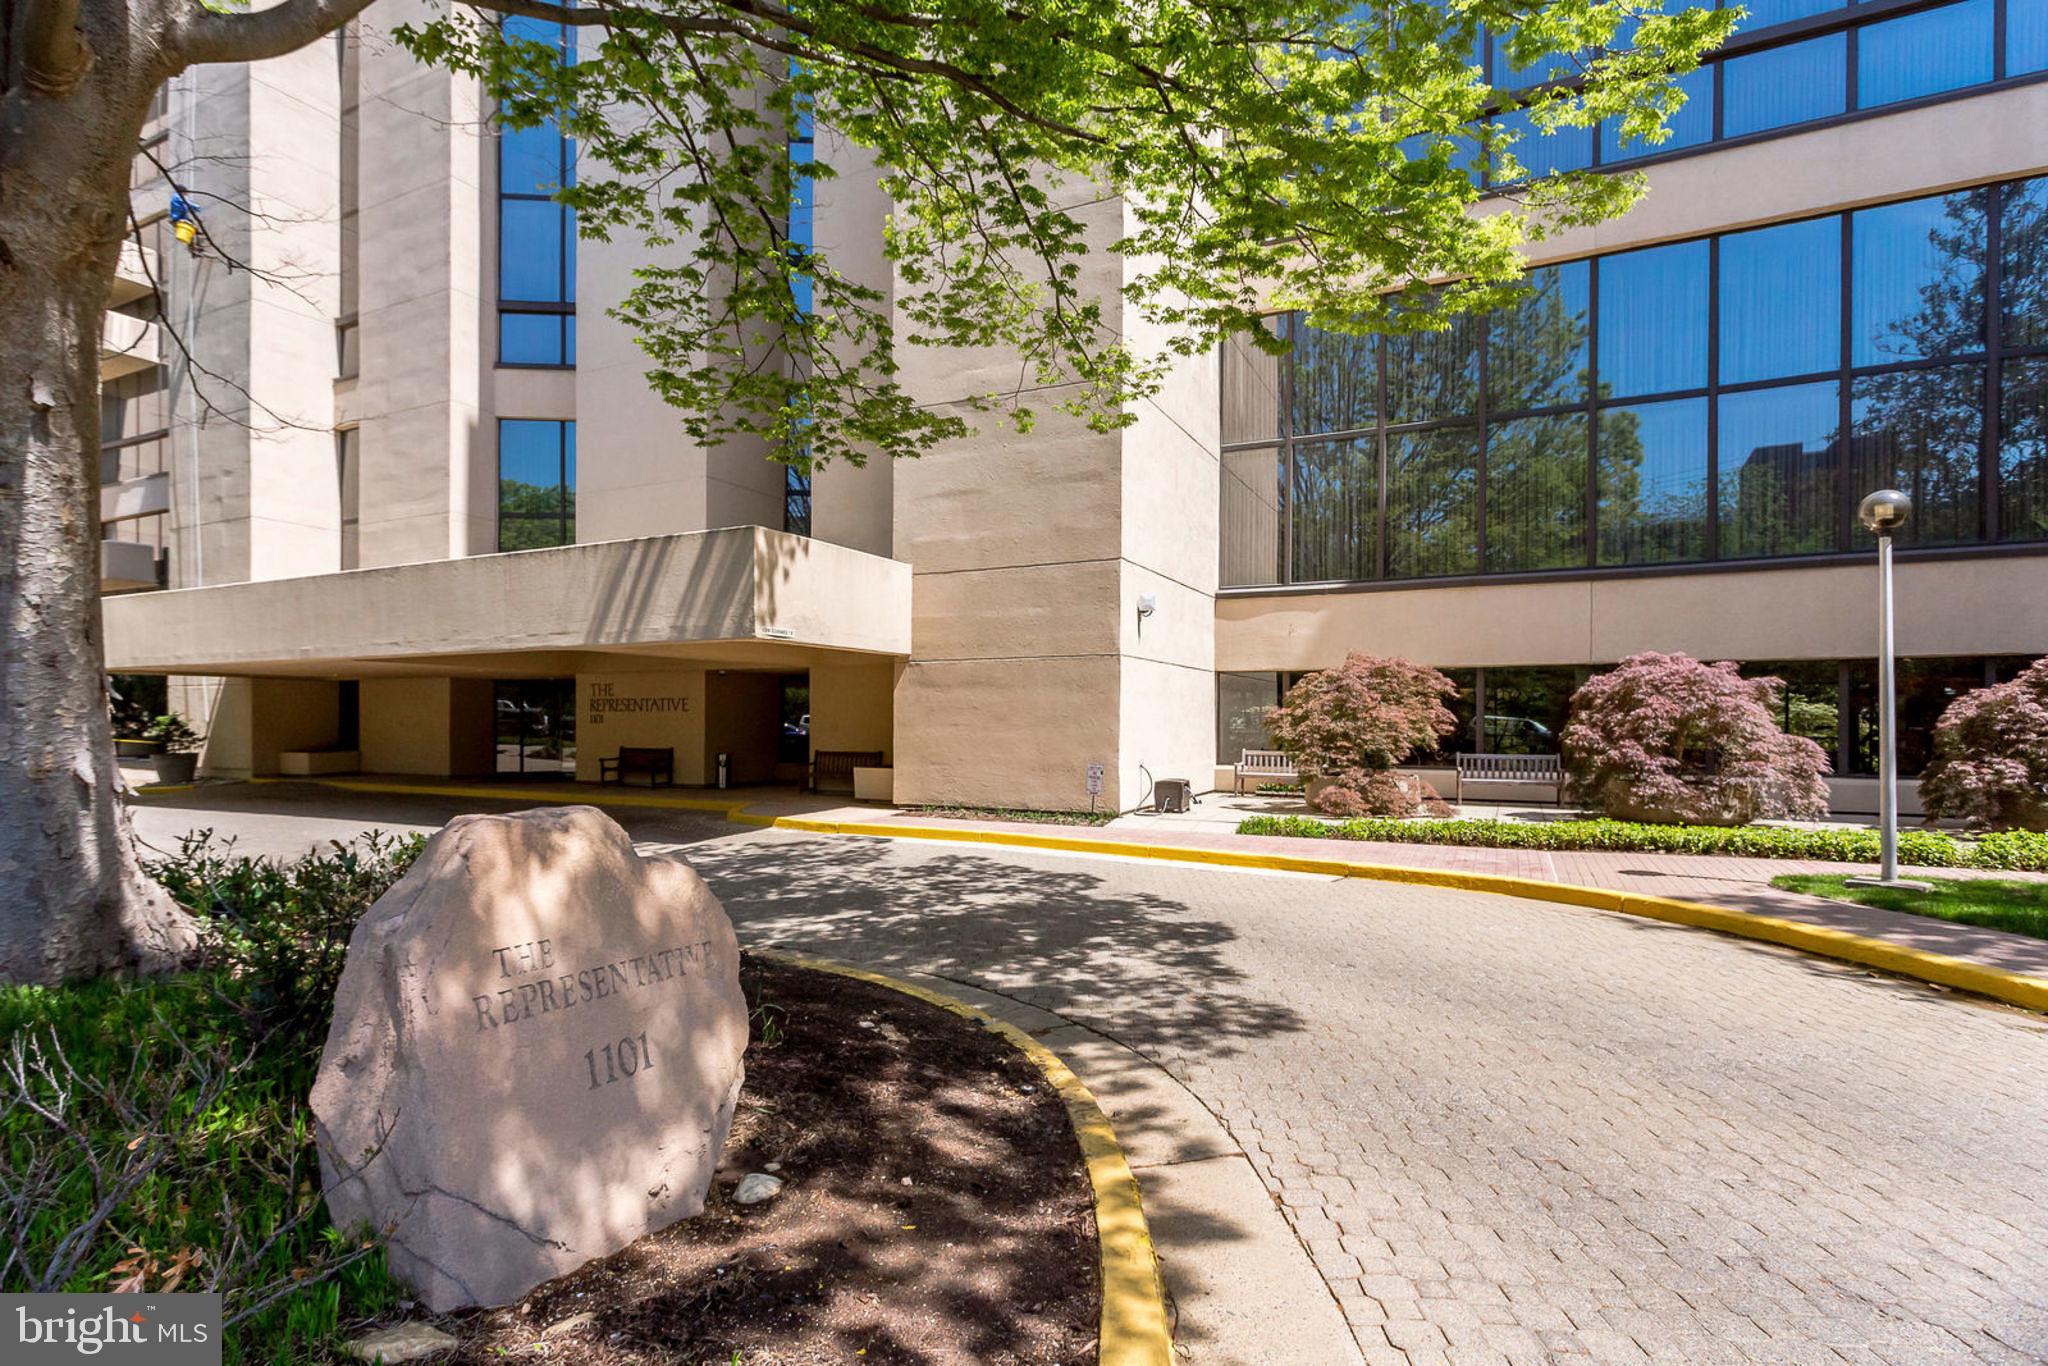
column 400, row 1342
column 755, row 1187
column 535, row 1054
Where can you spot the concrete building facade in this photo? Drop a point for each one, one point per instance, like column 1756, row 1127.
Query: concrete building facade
column 439, row 524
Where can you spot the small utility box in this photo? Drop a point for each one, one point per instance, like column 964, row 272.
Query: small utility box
column 874, row 784
column 1173, row 794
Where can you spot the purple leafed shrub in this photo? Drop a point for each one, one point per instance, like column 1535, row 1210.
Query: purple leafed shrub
column 1346, row 728
column 1991, row 756
column 1667, row 738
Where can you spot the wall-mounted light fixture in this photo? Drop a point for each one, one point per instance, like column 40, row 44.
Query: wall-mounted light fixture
column 1148, row 603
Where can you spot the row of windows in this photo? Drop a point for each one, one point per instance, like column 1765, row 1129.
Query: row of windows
column 1726, row 398
column 536, row 236
column 1871, row 60
column 1524, row 710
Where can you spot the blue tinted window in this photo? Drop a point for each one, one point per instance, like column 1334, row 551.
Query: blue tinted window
column 536, row 483
column 1781, row 301
column 1777, row 471
column 2023, row 262
column 1653, row 320
column 1917, row 279
column 1692, row 125
column 1544, row 153
column 1924, row 53
column 1653, row 483
column 530, row 339
column 2026, row 36
column 530, row 160
column 1790, row 84
column 530, row 452
column 1764, row 13
column 1923, row 431
column 530, row 250
column 1536, row 355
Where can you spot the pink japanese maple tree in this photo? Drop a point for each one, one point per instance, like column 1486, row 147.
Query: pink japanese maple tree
column 1991, row 756
column 1345, row 729
column 1669, row 738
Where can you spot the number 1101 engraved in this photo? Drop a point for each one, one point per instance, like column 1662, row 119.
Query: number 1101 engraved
column 621, row 1059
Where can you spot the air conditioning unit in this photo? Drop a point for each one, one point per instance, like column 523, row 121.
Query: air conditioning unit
column 1173, row 794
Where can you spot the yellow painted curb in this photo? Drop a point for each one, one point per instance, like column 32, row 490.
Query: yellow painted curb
column 2000, row 985
column 539, row 796
column 1134, row 1328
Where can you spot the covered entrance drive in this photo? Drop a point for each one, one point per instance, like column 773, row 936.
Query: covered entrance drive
column 745, row 642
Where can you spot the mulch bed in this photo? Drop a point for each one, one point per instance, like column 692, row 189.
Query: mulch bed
column 935, row 1209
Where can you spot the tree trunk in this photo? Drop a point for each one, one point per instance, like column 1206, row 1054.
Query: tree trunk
column 73, row 899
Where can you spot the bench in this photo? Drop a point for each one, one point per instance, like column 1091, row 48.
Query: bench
column 836, row 766
column 1512, row 770
column 652, row 763
column 1265, row 765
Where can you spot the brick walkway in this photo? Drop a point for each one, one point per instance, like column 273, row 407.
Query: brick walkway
column 1509, row 1130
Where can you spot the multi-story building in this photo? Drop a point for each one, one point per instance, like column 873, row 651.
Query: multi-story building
column 460, row 535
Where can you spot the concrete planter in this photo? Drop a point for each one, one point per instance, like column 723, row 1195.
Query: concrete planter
column 135, row 749
column 175, row 768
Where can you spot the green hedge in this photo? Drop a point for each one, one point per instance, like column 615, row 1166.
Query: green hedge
column 2013, row 850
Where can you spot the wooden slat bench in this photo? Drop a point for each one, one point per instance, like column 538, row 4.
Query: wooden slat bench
column 1512, row 770
column 836, row 766
column 1265, row 766
column 658, row 766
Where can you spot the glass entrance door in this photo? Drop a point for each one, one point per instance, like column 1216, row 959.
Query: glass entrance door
column 536, row 726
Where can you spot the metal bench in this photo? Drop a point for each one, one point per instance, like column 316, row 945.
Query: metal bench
column 1266, row 766
column 1512, row 770
column 836, row 766
column 653, row 764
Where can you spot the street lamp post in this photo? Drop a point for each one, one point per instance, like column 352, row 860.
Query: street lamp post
column 1884, row 512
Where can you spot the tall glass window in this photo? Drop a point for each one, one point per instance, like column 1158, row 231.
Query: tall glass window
column 2023, row 450
column 536, row 236
column 1536, row 493
column 1777, row 458
column 1653, row 320
column 1924, row 54
column 536, row 483
column 1917, row 279
column 1537, row 351
column 1653, row 483
column 1433, row 503
column 1781, row 301
column 1795, row 83
column 1335, row 511
column 1922, row 431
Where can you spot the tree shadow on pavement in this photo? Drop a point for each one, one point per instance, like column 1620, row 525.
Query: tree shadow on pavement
column 1133, row 964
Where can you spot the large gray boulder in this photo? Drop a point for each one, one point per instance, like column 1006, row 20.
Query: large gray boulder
column 535, row 1054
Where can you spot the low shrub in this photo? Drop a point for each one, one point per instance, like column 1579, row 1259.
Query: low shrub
column 1668, row 738
column 1990, row 763
column 1345, row 729
column 154, row 1135
column 2018, row 851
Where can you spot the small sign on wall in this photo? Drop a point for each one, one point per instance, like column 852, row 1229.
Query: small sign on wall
column 605, row 697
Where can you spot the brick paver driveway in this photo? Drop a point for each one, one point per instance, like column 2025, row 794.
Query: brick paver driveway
column 1512, row 1130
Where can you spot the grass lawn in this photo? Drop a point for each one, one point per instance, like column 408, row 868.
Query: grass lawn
column 1996, row 903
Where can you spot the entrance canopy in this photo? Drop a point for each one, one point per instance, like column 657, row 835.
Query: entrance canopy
column 741, row 597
